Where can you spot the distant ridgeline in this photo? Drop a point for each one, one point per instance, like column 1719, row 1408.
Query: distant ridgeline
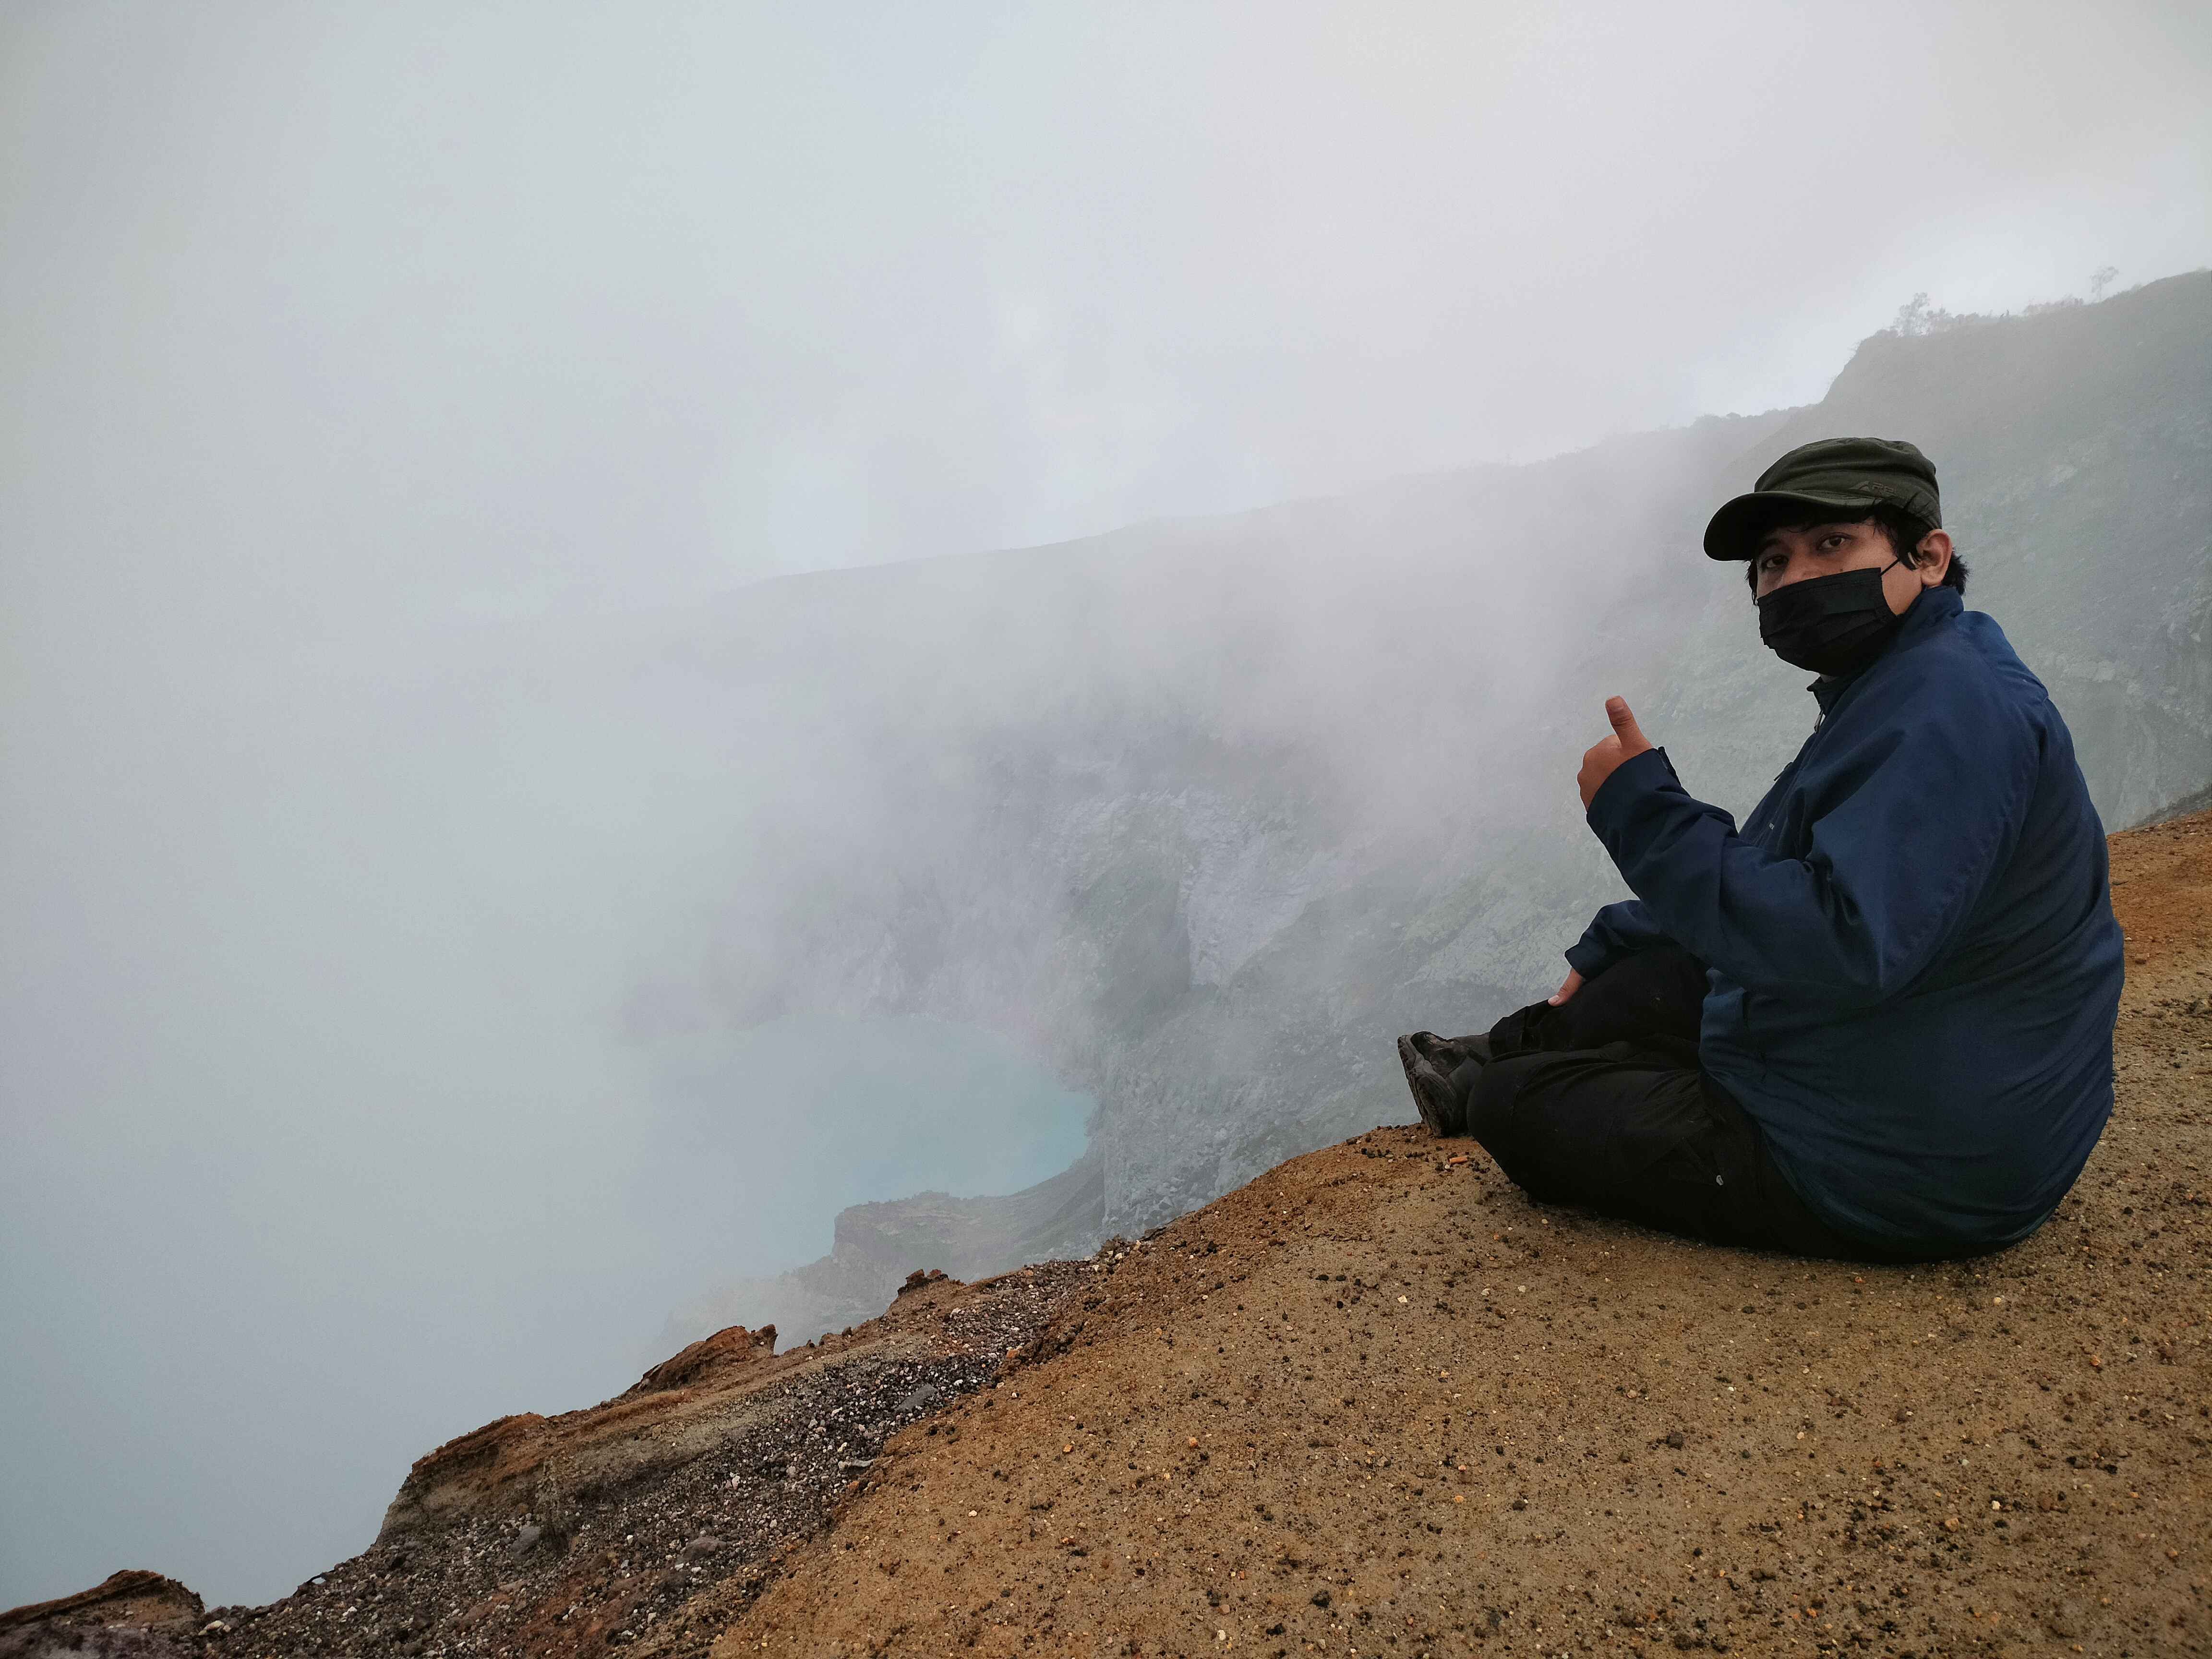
column 1208, row 812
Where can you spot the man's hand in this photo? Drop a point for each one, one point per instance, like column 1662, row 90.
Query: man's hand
column 1599, row 759
column 1572, row 983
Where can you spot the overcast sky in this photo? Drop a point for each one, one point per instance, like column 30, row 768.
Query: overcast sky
column 331, row 333
column 413, row 304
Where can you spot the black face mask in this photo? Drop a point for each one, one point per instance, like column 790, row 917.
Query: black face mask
column 1830, row 624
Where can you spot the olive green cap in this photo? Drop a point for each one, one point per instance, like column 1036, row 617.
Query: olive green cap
column 1844, row 474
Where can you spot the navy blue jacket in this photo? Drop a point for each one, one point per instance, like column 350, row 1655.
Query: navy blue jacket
column 1915, row 969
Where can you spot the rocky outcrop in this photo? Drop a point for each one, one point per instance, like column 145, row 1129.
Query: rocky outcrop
column 708, row 1361
column 727, row 1391
column 132, row 1613
column 875, row 1246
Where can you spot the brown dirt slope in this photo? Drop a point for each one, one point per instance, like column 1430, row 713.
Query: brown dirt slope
column 1377, row 1402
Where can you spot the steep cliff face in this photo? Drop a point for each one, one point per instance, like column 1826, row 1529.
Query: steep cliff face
column 877, row 1246
column 1207, row 812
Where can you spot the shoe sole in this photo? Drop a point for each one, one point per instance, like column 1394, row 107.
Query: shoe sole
column 1432, row 1093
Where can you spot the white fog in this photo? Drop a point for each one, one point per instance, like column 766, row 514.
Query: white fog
column 396, row 395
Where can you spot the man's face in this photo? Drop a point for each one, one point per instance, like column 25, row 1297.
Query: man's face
column 1824, row 550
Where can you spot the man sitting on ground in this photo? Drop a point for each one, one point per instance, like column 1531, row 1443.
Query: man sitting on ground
column 1874, row 1022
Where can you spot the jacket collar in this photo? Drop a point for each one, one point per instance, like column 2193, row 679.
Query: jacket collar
column 1934, row 607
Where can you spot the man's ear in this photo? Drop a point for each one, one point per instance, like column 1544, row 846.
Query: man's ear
column 1932, row 558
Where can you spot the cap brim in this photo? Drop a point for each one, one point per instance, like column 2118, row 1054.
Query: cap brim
column 1735, row 530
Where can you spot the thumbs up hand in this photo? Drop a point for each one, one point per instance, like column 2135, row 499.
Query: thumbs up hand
column 1627, row 739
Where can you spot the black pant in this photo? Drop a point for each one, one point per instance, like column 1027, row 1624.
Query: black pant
column 1600, row 1102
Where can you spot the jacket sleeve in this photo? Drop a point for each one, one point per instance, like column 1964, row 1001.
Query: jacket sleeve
column 1617, row 931
column 1920, row 805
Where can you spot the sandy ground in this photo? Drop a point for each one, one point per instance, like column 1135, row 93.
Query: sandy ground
column 1376, row 1402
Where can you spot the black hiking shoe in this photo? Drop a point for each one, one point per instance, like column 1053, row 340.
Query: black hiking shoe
column 1441, row 1072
